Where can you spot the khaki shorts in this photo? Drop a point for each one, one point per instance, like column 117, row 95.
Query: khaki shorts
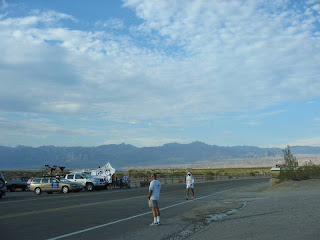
column 153, row 203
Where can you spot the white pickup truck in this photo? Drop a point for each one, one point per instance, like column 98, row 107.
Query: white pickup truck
column 89, row 182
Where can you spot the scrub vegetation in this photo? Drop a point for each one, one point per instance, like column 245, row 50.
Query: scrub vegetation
column 291, row 171
column 208, row 173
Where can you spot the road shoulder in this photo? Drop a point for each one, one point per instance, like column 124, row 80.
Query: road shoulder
column 287, row 211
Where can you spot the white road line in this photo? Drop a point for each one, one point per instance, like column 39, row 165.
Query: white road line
column 142, row 214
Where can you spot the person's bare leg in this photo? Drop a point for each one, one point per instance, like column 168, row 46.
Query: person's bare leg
column 154, row 212
column 192, row 192
column 157, row 212
column 158, row 215
column 187, row 193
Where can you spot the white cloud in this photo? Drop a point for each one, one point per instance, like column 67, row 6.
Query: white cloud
column 188, row 61
column 29, row 127
column 62, row 107
column 259, row 119
column 112, row 23
column 32, row 130
column 315, row 141
column 3, row 5
column 234, row 56
column 316, row 7
column 38, row 17
column 254, row 123
column 272, row 113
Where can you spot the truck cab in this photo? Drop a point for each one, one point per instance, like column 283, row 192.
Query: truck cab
column 17, row 182
column 89, row 182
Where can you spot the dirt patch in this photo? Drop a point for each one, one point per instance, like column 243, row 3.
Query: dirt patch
column 202, row 216
column 292, row 186
column 287, row 210
column 260, row 202
column 199, row 214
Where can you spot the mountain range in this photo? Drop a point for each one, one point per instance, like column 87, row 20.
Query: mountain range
column 128, row 156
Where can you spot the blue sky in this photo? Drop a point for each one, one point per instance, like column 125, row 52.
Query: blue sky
column 146, row 73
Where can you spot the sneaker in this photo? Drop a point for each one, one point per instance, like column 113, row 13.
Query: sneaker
column 153, row 224
column 187, row 198
column 192, row 198
column 158, row 223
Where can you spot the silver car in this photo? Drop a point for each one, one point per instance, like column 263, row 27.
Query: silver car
column 53, row 184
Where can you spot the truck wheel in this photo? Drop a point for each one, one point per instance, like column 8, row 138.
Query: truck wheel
column 12, row 188
column 37, row 191
column 2, row 183
column 65, row 189
column 89, row 187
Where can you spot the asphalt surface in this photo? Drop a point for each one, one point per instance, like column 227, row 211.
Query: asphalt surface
column 106, row 214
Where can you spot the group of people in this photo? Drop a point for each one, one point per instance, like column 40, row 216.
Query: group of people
column 154, row 194
column 114, row 182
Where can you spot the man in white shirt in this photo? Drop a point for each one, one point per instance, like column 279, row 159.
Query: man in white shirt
column 153, row 196
column 109, row 180
column 125, row 180
column 190, row 185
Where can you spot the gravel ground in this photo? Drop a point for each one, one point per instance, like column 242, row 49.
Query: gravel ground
column 290, row 210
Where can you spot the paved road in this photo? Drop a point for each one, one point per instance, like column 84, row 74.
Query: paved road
column 115, row 214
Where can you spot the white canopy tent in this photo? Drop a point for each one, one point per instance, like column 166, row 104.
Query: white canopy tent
column 106, row 170
column 101, row 171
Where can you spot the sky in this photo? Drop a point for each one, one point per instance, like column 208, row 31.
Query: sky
column 146, row 72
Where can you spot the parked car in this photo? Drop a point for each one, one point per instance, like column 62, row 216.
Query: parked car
column 88, row 181
column 2, row 185
column 17, row 182
column 53, row 184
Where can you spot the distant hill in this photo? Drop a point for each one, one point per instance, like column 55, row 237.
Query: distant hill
column 124, row 155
